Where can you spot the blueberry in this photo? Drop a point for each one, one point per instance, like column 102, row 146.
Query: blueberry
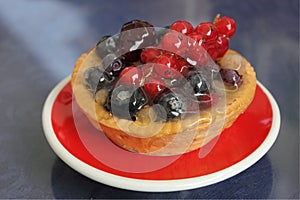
column 173, row 104
column 231, row 77
column 199, row 84
column 97, row 79
column 134, row 36
column 126, row 101
column 113, row 65
column 137, row 101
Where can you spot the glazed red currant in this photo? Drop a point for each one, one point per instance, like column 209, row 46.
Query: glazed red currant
column 174, row 42
column 197, row 56
column 182, row 26
column 131, row 75
column 226, row 26
column 153, row 86
column 167, row 66
column 222, row 45
column 196, row 39
column 212, row 48
column 208, row 30
column 183, row 65
column 149, row 54
column 208, row 100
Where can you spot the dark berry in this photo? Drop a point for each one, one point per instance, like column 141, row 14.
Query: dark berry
column 198, row 83
column 112, row 65
column 126, row 101
column 134, row 36
column 137, row 101
column 96, row 78
column 107, row 44
column 182, row 26
column 231, row 77
column 172, row 103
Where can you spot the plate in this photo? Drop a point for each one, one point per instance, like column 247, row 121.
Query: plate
column 90, row 153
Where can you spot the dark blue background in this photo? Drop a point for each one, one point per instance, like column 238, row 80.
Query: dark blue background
column 41, row 40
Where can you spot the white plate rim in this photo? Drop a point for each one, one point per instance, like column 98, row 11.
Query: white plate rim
column 154, row 185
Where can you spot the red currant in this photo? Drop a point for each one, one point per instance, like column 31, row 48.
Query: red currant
column 197, row 56
column 149, row 54
column 208, row 100
column 222, row 45
column 208, row 30
column 154, row 85
column 167, row 66
column 146, row 68
column 196, row 39
column 174, row 42
column 131, row 76
column 212, row 48
column 182, row 26
column 226, row 26
column 183, row 65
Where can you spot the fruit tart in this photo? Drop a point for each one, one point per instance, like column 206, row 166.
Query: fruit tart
column 164, row 91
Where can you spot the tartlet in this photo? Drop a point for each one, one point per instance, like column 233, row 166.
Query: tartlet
column 171, row 136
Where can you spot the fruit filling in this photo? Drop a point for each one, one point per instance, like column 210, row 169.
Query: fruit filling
column 170, row 68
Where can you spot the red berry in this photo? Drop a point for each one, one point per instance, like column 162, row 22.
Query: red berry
column 226, row 26
column 153, row 86
column 196, row 39
column 212, row 48
column 183, row 65
column 197, row 56
column 146, row 68
column 222, row 45
column 182, row 26
column 131, row 76
column 149, row 54
column 208, row 30
column 167, row 66
column 208, row 100
column 174, row 42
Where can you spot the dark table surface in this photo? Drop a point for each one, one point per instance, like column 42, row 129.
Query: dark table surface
column 40, row 41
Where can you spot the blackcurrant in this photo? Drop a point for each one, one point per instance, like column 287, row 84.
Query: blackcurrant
column 126, row 101
column 172, row 103
column 97, row 78
column 113, row 65
column 199, row 84
column 231, row 77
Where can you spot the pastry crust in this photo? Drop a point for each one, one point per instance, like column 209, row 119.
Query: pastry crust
column 172, row 137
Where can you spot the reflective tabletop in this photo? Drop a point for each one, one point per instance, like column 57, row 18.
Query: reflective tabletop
column 41, row 40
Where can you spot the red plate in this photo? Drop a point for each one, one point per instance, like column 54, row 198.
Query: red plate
column 91, row 153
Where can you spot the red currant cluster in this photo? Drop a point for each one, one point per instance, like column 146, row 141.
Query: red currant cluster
column 170, row 62
column 212, row 37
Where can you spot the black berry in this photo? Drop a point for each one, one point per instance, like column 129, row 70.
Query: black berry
column 126, row 101
column 172, row 103
column 231, row 77
column 199, row 84
column 97, row 79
